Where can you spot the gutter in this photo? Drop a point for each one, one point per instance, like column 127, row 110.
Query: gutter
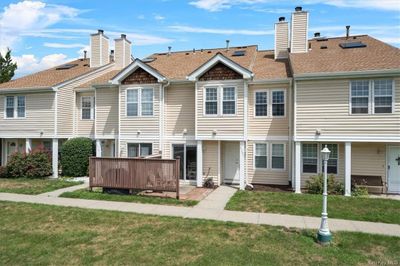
column 26, row 90
column 272, row 81
column 347, row 74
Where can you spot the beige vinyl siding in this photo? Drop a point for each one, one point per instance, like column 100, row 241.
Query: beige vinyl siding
column 106, row 112
column 338, row 177
column 105, row 51
column 179, row 110
column 368, row 159
column 39, row 116
column 267, row 126
column 123, row 152
column 85, row 127
column 95, row 51
column 65, row 106
column 266, row 176
column 118, row 54
column 299, row 32
column 324, row 104
column 281, row 39
column 210, row 160
column 149, row 126
column 225, row 125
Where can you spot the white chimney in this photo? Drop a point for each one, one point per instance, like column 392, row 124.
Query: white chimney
column 99, row 47
column 299, row 31
column 281, row 38
column 122, row 55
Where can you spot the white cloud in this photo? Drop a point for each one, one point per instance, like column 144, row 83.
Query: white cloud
column 159, row 17
column 63, row 45
column 389, row 5
column 220, row 31
column 28, row 16
column 218, row 5
column 29, row 63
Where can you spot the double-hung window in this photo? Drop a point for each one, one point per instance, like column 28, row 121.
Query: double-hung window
column 139, row 102
column 277, row 156
column 261, row 155
column 278, row 103
column 229, row 101
column 383, row 96
column 211, row 103
column 360, row 97
column 87, row 106
column 310, row 158
column 333, row 159
column 371, row 96
column 261, row 103
column 15, row 106
column 139, row 149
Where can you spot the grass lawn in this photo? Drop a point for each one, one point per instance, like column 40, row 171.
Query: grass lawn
column 41, row 235
column 33, row 186
column 351, row 208
column 98, row 195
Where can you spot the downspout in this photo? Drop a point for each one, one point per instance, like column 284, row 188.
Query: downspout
column 163, row 87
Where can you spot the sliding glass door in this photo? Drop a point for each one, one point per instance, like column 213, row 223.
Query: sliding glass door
column 188, row 159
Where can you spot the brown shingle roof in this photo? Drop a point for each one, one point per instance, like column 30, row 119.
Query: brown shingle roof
column 50, row 77
column 376, row 56
column 103, row 79
column 266, row 67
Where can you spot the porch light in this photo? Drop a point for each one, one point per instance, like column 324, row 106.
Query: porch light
column 324, row 235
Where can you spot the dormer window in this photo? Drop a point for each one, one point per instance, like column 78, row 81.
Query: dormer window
column 15, row 107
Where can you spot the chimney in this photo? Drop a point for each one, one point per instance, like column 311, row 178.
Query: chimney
column 299, row 32
column 281, row 38
column 99, row 47
column 122, row 53
column 347, row 31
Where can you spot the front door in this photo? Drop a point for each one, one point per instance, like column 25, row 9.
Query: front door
column 231, row 153
column 394, row 169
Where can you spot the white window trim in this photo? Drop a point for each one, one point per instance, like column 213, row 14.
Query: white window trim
column 284, row 156
column 139, row 143
column 320, row 146
column 139, row 102
column 15, row 107
column 371, row 98
column 220, row 100
column 254, row 155
column 91, row 107
column 268, row 105
column 284, row 103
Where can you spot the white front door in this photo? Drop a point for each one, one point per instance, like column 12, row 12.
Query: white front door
column 394, row 169
column 231, row 157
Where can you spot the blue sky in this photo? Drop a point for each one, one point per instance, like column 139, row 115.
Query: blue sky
column 47, row 33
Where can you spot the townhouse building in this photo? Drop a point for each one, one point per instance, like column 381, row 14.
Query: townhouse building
column 237, row 115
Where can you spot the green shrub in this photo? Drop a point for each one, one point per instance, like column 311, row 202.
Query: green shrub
column 33, row 165
column 315, row 185
column 75, row 155
column 359, row 191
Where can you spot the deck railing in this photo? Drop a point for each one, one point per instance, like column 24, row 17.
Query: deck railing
column 135, row 174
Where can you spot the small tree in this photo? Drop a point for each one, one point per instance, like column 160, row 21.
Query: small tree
column 75, row 155
column 7, row 67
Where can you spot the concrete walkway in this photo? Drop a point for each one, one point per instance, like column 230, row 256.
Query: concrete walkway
column 58, row 192
column 207, row 210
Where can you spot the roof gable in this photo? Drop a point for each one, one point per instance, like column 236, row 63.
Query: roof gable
column 146, row 73
column 220, row 72
column 220, row 59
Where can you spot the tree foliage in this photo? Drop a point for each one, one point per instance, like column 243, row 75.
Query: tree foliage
column 7, row 67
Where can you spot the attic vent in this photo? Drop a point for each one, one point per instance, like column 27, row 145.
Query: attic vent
column 321, row 39
column 239, row 53
column 324, row 47
column 209, row 52
column 148, row 60
column 162, row 54
column 66, row 66
column 348, row 45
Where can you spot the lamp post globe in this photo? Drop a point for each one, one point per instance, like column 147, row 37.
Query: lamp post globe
column 324, row 235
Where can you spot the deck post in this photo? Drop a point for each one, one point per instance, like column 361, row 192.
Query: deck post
column 199, row 166
column 55, row 158
column 297, row 167
column 347, row 169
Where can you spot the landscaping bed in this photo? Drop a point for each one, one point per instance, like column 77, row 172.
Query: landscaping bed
column 350, row 208
column 34, row 186
column 97, row 194
column 48, row 235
